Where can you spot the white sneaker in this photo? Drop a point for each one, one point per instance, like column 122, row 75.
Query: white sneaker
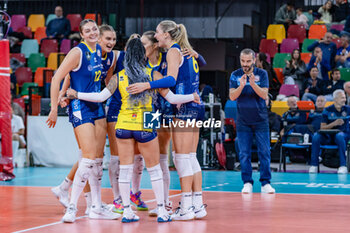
column 163, row 215
column 70, row 214
column 168, row 207
column 342, row 170
column 183, row 215
column 313, row 169
column 62, row 196
column 200, row 212
column 129, row 216
column 247, row 188
column 102, row 213
column 267, row 188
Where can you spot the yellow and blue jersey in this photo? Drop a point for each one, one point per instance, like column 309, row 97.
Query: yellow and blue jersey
column 130, row 117
column 86, row 78
column 187, row 82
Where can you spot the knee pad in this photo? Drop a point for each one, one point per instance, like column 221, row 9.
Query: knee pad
column 183, row 165
column 155, row 173
column 194, row 163
column 138, row 164
column 84, row 171
column 125, row 173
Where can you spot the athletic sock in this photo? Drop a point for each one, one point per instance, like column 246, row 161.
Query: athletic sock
column 125, row 176
column 84, row 171
column 113, row 170
column 88, row 199
column 137, row 173
column 156, row 176
column 95, row 181
column 65, row 185
column 186, row 200
column 197, row 200
column 166, row 175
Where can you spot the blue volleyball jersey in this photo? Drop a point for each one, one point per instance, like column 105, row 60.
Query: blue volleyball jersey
column 86, row 78
column 114, row 103
column 331, row 114
column 187, row 82
column 107, row 62
column 251, row 108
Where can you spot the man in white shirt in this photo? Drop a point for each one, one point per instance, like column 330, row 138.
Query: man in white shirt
column 18, row 140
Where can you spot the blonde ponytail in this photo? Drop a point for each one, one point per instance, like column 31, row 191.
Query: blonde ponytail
column 177, row 32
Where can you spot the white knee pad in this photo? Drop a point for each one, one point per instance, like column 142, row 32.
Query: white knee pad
column 125, row 173
column 183, row 165
column 155, row 173
column 194, row 163
column 84, row 171
column 138, row 164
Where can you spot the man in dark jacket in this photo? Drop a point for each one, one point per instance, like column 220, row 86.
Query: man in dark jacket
column 332, row 85
column 286, row 14
column 321, row 62
column 59, row 27
column 313, row 86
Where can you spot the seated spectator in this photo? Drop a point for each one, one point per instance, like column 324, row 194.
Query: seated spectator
column 342, row 58
column 18, row 140
column 315, row 116
column 334, row 84
column 274, row 83
column 328, row 47
column 59, row 27
column 293, row 116
column 334, row 117
column 341, row 11
column 313, row 86
column 310, row 17
column 301, row 18
column 347, row 92
column 321, row 62
column 18, row 110
column 285, row 14
column 295, row 70
column 325, row 11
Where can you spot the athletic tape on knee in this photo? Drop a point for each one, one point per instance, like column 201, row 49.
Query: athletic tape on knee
column 183, row 165
column 194, row 163
column 84, row 172
column 138, row 164
column 155, row 173
column 125, row 173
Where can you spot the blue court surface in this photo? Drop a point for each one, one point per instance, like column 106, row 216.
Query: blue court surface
column 223, row 181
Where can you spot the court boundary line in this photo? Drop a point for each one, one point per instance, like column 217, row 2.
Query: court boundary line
column 81, row 217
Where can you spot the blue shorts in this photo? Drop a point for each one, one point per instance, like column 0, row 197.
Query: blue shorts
column 139, row 136
column 165, row 108
column 84, row 112
column 190, row 111
column 112, row 110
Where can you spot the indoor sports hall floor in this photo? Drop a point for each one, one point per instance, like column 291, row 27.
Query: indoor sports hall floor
column 303, row 203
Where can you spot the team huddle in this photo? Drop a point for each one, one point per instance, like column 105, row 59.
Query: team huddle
column 157, row 72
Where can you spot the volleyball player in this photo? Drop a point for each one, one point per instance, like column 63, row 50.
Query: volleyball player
column 130, row 126
column 184, row 75
column 156, row 60
column 83, row 63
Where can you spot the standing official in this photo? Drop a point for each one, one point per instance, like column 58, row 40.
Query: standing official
column 249, row 87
